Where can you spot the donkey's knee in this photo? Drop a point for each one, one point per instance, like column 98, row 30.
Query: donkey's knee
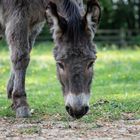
column 20, row 59
column 10, row 86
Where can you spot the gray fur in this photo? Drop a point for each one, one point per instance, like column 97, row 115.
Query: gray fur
column 75, row 53
column 22, row 20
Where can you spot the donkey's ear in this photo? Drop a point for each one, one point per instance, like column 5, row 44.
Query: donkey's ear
column 59, row 23
column 93, row 14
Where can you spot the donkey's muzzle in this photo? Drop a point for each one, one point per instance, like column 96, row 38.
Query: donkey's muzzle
column 77, row 113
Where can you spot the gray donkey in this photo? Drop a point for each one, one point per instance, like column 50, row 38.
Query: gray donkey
column 73, row 31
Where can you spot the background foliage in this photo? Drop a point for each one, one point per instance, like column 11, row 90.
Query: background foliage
column 120, row 14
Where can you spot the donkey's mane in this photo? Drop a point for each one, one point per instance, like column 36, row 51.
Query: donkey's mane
column 74, row 22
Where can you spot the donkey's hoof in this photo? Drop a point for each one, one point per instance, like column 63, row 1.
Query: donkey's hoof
column 23, row 112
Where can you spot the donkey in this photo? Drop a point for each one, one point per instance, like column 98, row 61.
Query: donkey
column 22, row 20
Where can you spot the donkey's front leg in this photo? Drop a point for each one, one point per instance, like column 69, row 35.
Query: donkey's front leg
column 20, row 61
column 17, row 38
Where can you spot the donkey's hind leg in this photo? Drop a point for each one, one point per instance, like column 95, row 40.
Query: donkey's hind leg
column 17, row 37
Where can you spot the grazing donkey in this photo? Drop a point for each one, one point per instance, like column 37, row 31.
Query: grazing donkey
column 74, row 52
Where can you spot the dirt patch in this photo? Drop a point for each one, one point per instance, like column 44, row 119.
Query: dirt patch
column 11, row 129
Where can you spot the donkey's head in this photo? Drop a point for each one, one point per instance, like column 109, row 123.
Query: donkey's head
column 75, row 52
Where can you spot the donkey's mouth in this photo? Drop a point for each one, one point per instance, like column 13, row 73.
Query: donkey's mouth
column 77, row 114
column 77, row 105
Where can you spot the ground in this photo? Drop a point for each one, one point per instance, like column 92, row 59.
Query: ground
column 114, row 105
column 24, row 129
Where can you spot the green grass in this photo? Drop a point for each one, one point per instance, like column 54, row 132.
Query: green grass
column 116, row 84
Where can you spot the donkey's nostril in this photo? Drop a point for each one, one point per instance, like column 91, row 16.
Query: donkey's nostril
column 77, row 112
column 68, row 108
column 86, row 108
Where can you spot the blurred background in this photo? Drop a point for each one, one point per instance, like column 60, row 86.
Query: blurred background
column 119, row 25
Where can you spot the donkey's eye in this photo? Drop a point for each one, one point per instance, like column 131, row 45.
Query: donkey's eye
column 61, row 66
column 90, row 65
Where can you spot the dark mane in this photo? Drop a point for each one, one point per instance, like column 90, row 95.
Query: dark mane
column 74, row 22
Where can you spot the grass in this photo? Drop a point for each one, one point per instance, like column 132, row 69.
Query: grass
column 115, row 90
